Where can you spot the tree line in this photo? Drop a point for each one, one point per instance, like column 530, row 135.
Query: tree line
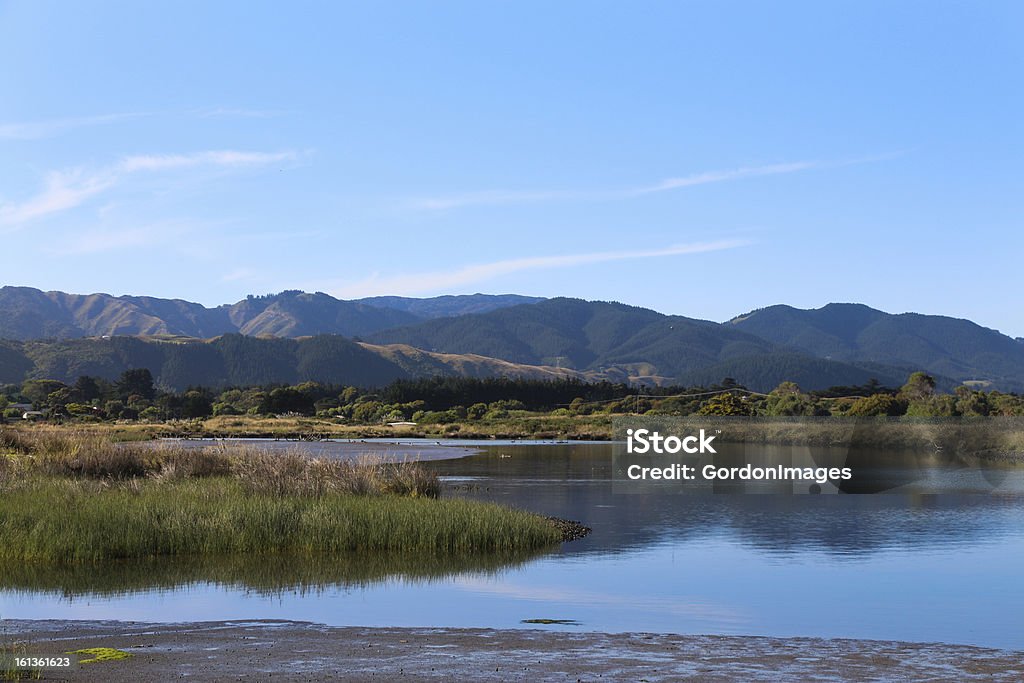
column 134, row 396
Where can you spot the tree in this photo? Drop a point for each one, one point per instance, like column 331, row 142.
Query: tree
column 725, row 404
column 787, row 399
column 919, row 386
column 196, row 404
column 971, row 403
column 922, row 401
column 287, row 400
column 1005, row 404
column 86, row 389
column 38, row 390
column 224, row 409
column 59, row 398
column 136, row 382
column 114, row 409
column 367, row 412
column 877, row 405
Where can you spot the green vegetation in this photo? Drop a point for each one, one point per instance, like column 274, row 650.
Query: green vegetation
column 92, row 655
column 581, row 334
column 61, row 522
column 72, row 522
column 292, row 337
column 467, row 407
column 72, row 497
column 854, row 333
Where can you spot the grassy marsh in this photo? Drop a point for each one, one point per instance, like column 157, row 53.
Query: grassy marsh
column 76, row 497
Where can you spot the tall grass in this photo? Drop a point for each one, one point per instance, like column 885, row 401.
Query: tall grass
column 69, row 521
column 87, row 454
column 71, row 496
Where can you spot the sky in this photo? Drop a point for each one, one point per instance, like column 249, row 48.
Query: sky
column 698, row 158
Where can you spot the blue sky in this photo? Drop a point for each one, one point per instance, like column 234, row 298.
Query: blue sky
column 699, row 158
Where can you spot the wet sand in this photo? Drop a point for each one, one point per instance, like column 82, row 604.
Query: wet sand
column 300, row 651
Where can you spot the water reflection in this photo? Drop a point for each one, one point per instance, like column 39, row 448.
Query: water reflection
column 574, row 481
column 265, row 575
column 934, row 568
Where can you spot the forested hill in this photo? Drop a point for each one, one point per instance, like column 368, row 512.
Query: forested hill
column 237, row 360
column 854, row 333
column 449, row 305
column 638, row 344
column 582, row 335
column 27, row 313
column 294, row 336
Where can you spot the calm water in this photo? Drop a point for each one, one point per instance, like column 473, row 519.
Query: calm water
column 921, row 568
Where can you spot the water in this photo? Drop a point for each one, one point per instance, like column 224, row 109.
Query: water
column 936, row 568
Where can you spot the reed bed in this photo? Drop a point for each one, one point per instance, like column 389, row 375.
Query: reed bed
column 76, row 497
column 70, row 521
column 88, row 455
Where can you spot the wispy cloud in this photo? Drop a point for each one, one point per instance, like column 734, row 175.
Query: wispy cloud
column 723, row 176
column 419, row 283
column 38, row 130
column 163, row 162
column 491, row 197
column 64, row 190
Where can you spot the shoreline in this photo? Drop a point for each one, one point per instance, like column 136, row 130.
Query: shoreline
column 986, row 439
column 305, row 651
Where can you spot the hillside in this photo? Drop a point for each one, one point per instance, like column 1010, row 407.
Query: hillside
column 625, row 343
column 609, row 340
column 450, row 305
column 854, row 333
column 297, row 314
column 238, row 360
column 27, row 313
column 764, row 372
column 268, row 339
column 419, row 363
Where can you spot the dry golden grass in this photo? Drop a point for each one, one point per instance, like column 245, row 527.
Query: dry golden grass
column 89, row 454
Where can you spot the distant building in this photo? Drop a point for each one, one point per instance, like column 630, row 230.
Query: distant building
column 401, row 424
column 33, row 415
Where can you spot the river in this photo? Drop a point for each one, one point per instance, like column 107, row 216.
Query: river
column 924, row 568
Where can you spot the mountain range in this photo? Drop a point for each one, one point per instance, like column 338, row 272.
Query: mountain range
column 27, row 313
column 296, row 336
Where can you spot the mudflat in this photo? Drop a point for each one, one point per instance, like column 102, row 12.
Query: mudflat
column 302, row 651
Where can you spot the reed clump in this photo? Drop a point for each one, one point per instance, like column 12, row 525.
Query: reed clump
column 86, row 454
column 80, row 521
column 75, row 497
